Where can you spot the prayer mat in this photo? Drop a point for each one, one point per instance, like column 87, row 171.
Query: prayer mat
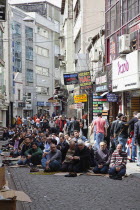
column 42, row 173
column 63, row 174
column 93, row 174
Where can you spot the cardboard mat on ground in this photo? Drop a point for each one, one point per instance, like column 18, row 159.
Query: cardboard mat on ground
column 8, row 197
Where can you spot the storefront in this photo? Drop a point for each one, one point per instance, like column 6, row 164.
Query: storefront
column 126, row 82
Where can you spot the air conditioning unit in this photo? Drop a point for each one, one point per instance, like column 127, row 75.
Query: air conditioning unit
column 94, row 54
column 124, row 44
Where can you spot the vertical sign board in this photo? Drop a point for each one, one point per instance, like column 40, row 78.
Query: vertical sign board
column 85, row 80
column 3, row 10
column 98, row 106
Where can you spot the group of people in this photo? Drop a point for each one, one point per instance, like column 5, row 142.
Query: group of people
column 60, row 144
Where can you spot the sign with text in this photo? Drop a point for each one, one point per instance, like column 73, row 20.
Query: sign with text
column 85, row 80
column 125, row 72
column 3, row 10
column 80, row 98
column 100, row 105
column 112, row 97
column 70, row 79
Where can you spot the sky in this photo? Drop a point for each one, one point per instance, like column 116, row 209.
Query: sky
column 55, row 2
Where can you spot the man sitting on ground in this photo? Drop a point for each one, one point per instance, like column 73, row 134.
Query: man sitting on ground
column 34, row 156
column 81, row 159
column 118, row 163
column 102, row 159
column 26, row 146
column 77, row 136
column 67, row 164
column 53, row 159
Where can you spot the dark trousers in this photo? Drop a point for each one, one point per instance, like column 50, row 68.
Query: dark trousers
column 113, row 172
column 103, row 170
column 81, row 166
column 55, row 165
column 35, row 160
column 67, row 167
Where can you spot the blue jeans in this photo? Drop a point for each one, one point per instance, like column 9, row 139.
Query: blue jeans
column 113, row 172
column 23, row 162
column 103, row 170
column 55, row 165
column 133, row 149
column 122, row 141
column 138, row 155
column 43, row 162
column 99, row 138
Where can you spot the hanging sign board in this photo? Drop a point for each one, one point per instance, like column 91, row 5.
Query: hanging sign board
column 70, row 79
column 80, row 98
column 85, row 80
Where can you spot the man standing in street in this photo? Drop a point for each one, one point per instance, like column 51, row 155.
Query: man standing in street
column 131, row 124
column 101, row 129
column 137, row 138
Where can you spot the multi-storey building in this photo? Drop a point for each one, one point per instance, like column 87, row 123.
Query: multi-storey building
column 34, row 56
column 122, row 54
column 82, row 20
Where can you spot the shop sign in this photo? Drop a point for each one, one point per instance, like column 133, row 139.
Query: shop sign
column 100, row 105
column 101, row 80
column 85, row 80
column 80, row 98
column 70, row 79
column 52, row 101
column 40, row 103
column 112, row 97
column 101, row 88
column 77, row 106
column 125, row 73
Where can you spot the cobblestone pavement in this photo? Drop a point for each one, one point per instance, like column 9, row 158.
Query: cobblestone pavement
column 50, row 192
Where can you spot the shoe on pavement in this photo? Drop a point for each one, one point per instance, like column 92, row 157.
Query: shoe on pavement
column 34, row 170
column 47, row 170
column 118, row 177
column 112, row 177
column 71, row 175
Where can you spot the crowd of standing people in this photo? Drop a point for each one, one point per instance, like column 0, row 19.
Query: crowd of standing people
column 65, row 144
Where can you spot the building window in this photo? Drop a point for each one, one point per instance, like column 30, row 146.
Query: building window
column 118, row 18
column 16, row 28
column 57, row 62
column 1, row 44
column 56, row 39
column 124, row 9
column 29, row 32
column 113, row 19
column 56, row 15
column 107, row 23
column 29, row 53
column 108, row 51
column 42, row 51
column 43, row 32
column 132, row 9
column 42, row 71
column 50, row 12
column 29, row 75
column 77, row 10
column 17, row 65
column 78, row 43
column 19, row 95
column 43, row 90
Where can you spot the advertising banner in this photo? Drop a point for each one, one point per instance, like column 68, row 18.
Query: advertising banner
column 80, row 98
column 70, row 79
column 85, row 80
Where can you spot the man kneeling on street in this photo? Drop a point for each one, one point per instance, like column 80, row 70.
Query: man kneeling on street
column 102, row 159
column 118, row 163
column 53, row 159
column 34, row 156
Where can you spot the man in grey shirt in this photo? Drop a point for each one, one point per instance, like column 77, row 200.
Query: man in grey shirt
column 53, row 159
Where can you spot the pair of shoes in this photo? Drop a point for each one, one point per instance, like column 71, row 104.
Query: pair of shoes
column 47, row 170
column 34, row 169
column 138, row 164
column 71, row 175
column 116, row 177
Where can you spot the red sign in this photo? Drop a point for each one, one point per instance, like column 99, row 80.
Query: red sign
column 85, row 80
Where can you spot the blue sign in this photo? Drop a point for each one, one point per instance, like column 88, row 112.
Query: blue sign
column 40, row 103
column 70, row 79
column 112, row 97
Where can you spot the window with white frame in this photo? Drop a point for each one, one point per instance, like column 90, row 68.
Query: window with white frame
column 42, row 71
column 29, row 75
column 43, row 90
column 43, row 32
column 29, row 53
column 42, row 51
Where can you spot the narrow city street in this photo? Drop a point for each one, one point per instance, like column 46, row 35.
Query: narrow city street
column 56, row 192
